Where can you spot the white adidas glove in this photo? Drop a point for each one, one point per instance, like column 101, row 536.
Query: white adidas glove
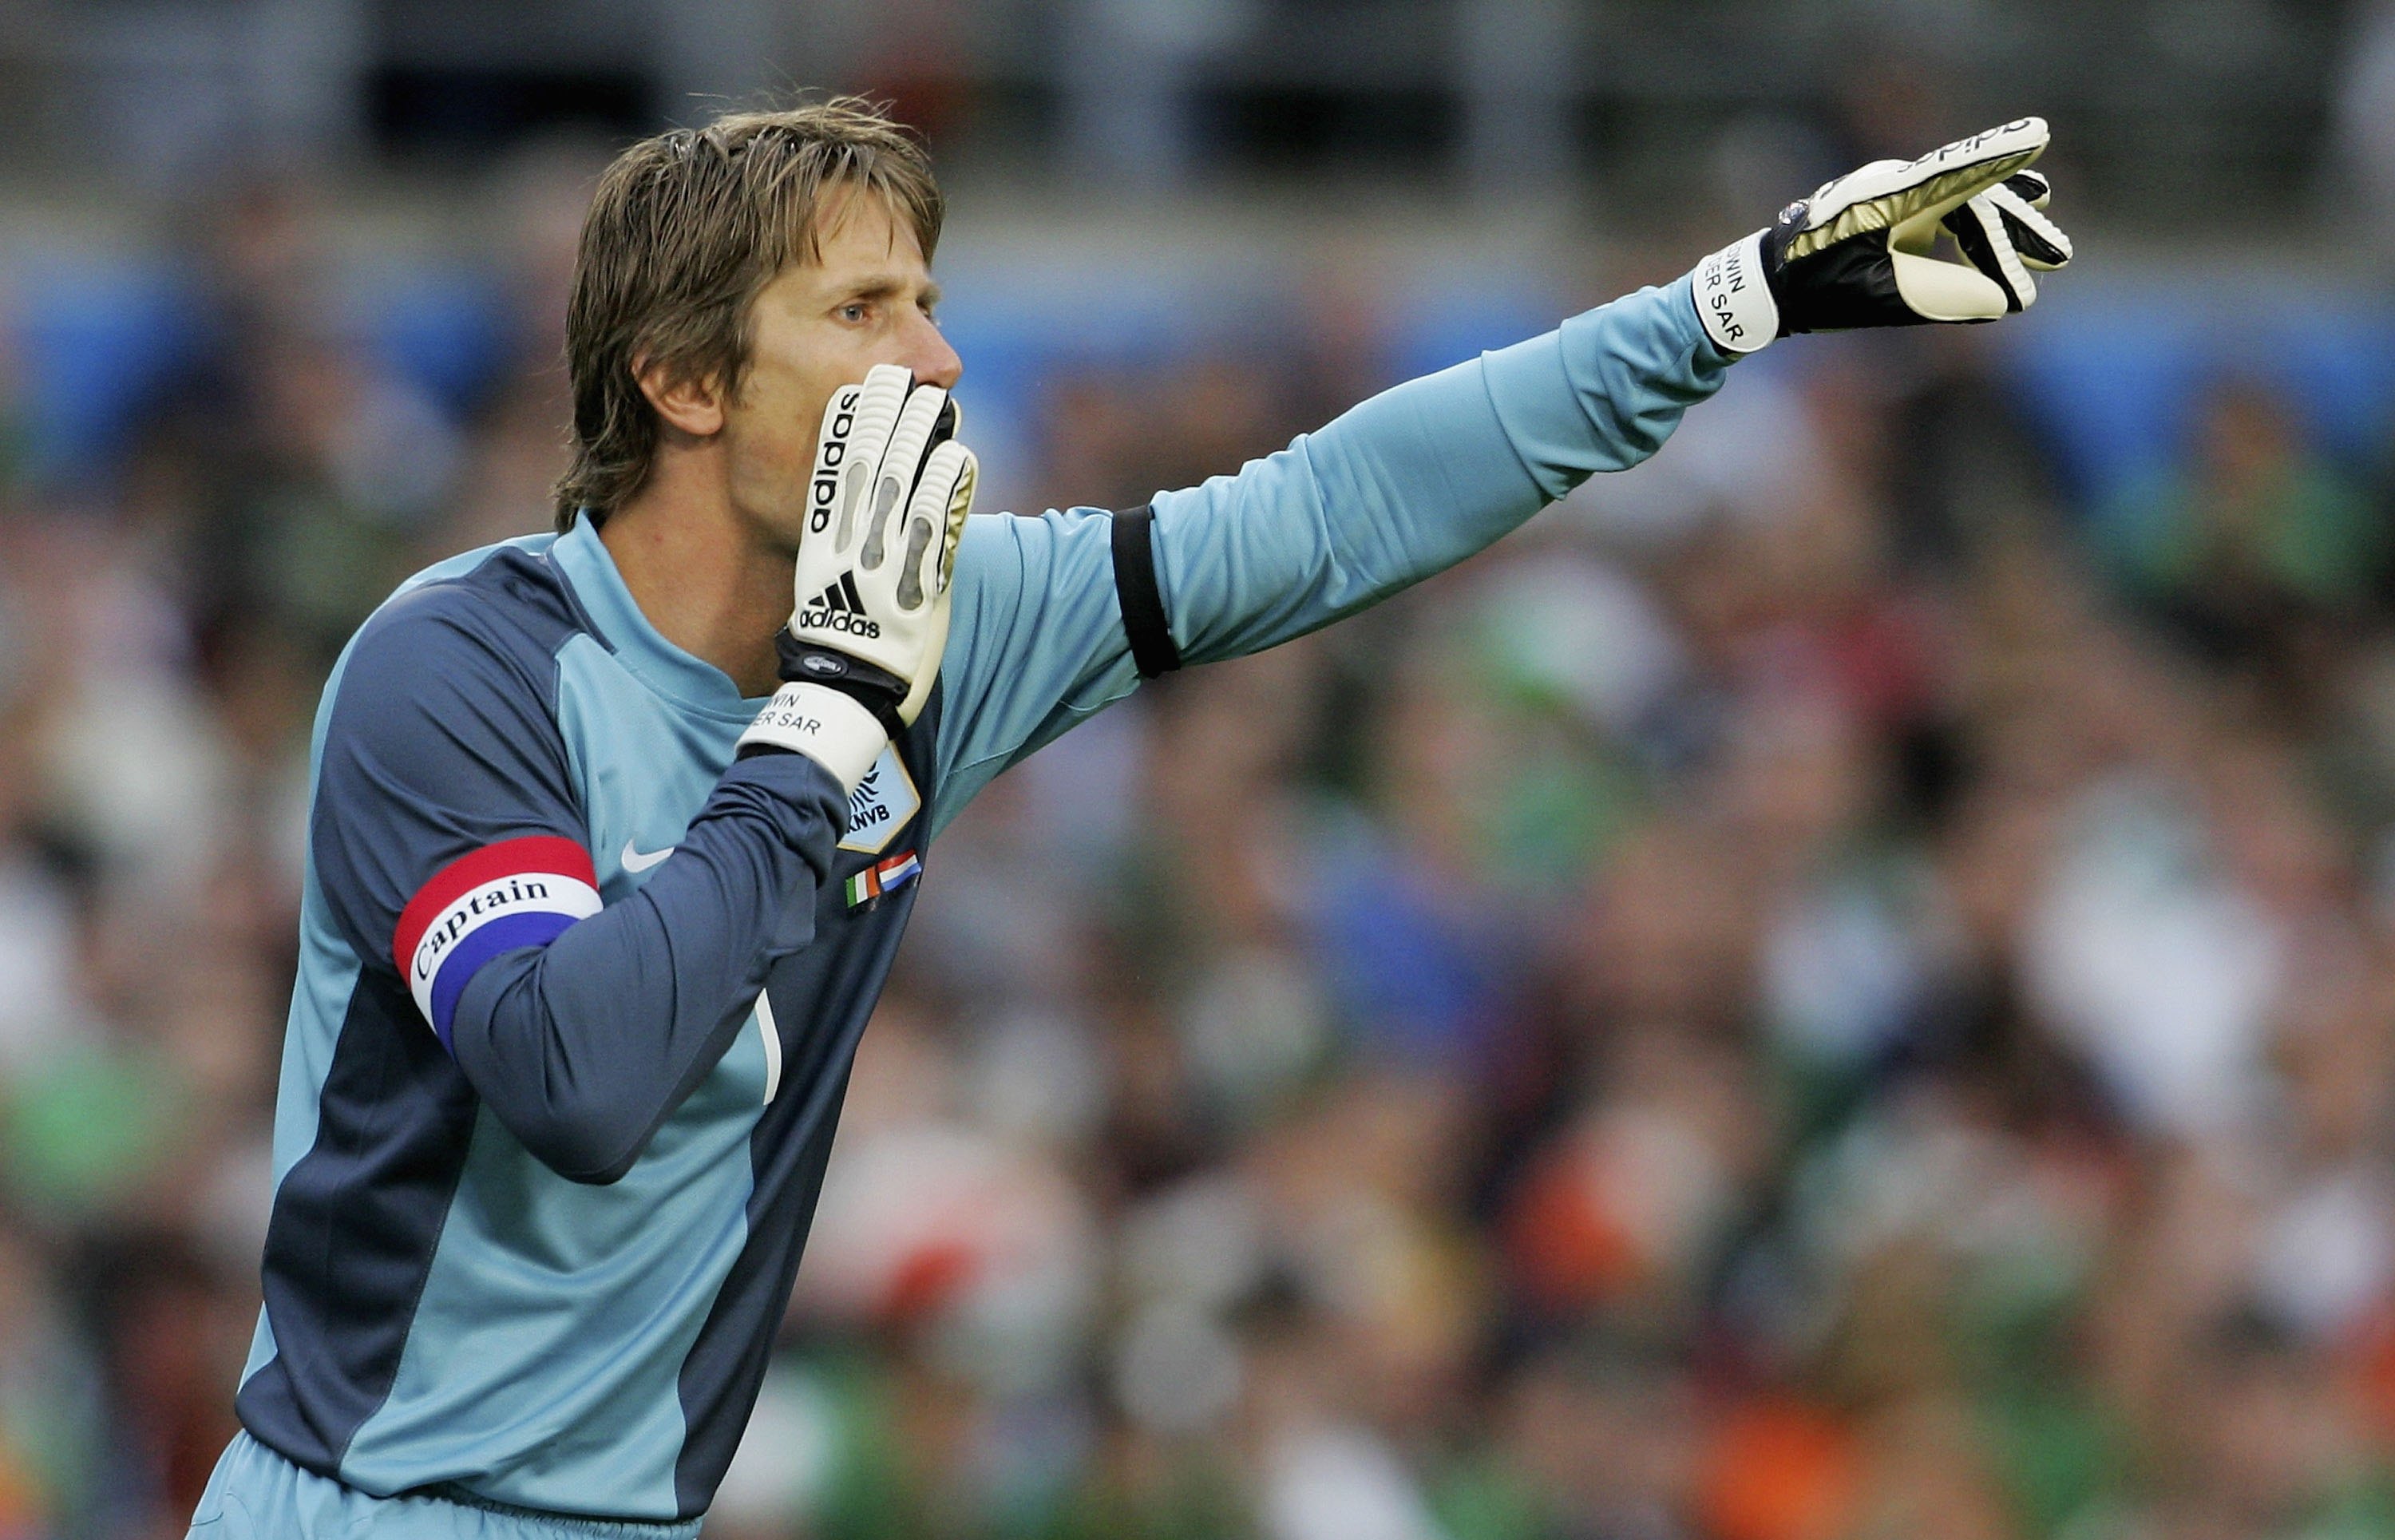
column 1861, row 251
column 886, row 503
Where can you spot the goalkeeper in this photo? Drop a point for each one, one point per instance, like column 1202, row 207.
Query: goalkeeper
column 614, row 831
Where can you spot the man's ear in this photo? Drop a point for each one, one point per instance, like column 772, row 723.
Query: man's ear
column 687, row 405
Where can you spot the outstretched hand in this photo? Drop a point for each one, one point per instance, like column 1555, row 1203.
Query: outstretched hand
column 1861, row 251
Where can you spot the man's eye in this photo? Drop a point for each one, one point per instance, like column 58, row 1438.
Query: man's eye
column 855, row 312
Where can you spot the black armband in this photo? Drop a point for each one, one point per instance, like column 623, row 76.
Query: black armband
column 1145, row 626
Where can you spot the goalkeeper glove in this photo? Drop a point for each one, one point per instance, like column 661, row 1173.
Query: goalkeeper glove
column 1860, row 251
column 886, row 504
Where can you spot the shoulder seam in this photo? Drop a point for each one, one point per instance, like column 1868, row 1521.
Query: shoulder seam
column 582, row 617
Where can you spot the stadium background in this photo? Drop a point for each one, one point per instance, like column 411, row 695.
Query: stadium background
column 1841, row 984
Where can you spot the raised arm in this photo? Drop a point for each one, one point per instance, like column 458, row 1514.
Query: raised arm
column 1395, row 489
column 1423, row 475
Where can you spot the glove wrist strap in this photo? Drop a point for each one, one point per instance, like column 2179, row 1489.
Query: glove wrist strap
column 876, row 688
column 1734, row 300
column 833, row 729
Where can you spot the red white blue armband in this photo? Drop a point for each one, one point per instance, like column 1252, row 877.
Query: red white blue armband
column 518, row 893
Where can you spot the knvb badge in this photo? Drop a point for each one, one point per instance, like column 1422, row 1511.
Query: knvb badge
column 881, row 806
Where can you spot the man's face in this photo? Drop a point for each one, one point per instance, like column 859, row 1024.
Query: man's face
column 816, row 326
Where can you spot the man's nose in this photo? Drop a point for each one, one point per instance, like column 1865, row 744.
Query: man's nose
column 929, row 356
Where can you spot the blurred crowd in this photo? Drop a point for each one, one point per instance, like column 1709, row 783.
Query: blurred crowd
column 1841, row 984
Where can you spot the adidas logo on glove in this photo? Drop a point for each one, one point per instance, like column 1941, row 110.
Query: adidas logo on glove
column 839, row 608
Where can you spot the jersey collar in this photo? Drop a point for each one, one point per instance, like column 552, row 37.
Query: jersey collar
column 685, row 680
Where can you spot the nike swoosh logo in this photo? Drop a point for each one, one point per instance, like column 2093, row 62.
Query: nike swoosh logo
column 634, row 861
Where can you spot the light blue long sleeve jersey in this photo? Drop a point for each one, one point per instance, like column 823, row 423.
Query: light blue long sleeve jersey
column 1396, row 489
column 578, row 993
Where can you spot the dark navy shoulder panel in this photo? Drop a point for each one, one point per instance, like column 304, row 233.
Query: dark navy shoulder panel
column 515, row 599
column 443, row 739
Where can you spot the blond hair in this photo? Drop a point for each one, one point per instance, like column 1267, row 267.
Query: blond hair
column 683, row 232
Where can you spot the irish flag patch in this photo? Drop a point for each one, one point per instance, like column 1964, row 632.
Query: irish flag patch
column 884, row 877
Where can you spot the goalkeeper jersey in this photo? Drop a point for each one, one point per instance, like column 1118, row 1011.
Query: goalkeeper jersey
column 578, row 993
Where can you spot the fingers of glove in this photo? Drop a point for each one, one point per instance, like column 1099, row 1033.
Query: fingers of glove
column 2030, row 187
column 901, row 465
column 934, row 520
column 1891, row 194
column 2040, row 242
column 1981, row 229
column 935, row 624
column 1989, row 215
column 1839, row 193
column 2004, row 235
column 927, row 663
column 1952, row 175
column 835, row 451
column 959, row 509
column 878, row 406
